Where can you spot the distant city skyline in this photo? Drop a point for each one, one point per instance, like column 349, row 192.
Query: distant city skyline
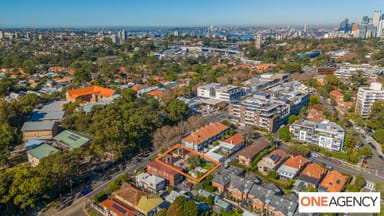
column 93, row 13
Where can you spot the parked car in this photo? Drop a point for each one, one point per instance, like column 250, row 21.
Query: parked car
column 315, row 155
column 328, row 166
column 86, row 191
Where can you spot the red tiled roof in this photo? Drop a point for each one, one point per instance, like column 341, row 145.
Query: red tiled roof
column 111, row 203
column 75, row 93
column 313, row 170
column 280, row 153
column 336, row 93
column 235, row 139
column 296, row 162
column 158, row 166
column 202, row 134
column 129, row 194
column 156, row 92
column 139, row 87
column 334, row 181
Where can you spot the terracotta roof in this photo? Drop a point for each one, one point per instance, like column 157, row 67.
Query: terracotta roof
column 255, row 148
column 235, row 139
column 315, row 115
column 156, row 92
column 130, row 195
column 334, row 181
column 75, row 93
column 138, row 87
column 277, row 152
column 158, row 166
column 296, row 162
column 118, row 208
column 336, row 93
column 202, row 134
column 313, row 170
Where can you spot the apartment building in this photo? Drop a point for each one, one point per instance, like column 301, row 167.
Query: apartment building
column 217, row 91
column 326, row 134
column 260, row 111
column 366, row 96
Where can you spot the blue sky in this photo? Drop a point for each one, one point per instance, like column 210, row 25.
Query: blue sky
column 56, row 13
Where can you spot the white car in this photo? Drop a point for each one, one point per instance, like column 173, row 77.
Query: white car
column 315, row 155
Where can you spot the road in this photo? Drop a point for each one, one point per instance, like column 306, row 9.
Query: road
column 369, row 174
column 75, row 209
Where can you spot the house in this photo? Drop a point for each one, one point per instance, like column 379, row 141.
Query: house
column 148, row 204
column 129, row 196
column 339, row 98
column 89, row 94
column 249, row 153
column 271, row 161
column 239, row 187
column 204, row 136
column 113, row 208
column 221, row 205
column 150, row 182
column 312, row 174
column 158, row 94
column 71, row 139
column 333, row 182
column 222, row 179
column 49, row 112
column 291, row 167
column 233, row 143
column 39, row 130
column 171, row 176
column 269, row 202
column 40, row 152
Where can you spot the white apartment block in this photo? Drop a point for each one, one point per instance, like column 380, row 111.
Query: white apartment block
column 217, row 91
column 326, row 134
column 366, row 96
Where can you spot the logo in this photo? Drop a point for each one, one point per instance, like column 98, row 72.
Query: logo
column 343, row 202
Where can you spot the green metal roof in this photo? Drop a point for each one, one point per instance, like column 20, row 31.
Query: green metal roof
column 42, row 151
column 71, row 138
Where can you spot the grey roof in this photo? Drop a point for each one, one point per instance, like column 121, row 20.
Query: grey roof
column 286, row 205
column 242, row 184
column 42, row 116
column 56, row 106
column 38, row 126
column 223, row 177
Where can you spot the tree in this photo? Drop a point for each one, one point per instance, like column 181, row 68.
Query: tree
column 29, row 66
column 284, row 134
column 177, row 110
column 5, row 85
column 379, row 186
column 376, row 115
column 210, row 200
column 190, row 208
column 314, row 99
column 365, row 151
column 292, row 119
column 348, row 96
column 379, row 135
column 331, row 79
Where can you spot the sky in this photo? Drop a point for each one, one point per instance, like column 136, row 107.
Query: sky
column 87, row 13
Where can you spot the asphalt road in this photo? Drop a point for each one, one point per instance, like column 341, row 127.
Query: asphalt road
column 75, row 209
column 369, row 174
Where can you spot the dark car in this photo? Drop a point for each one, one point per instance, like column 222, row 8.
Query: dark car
column 86, row 191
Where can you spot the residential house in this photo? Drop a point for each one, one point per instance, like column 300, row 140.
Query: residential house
column 271, row 161
column 113, row 208
column 40, row 152
column 291, row 167
column 90, row 94
column 150, row 182
column 172, row 177
column 339, row 98
column 204, row 136
column 333, row 182
column 312, row 174
column 71, row 139
column 239, row 187
column 233, row 143
column 148, row 204
column 249, row 153
column 39, row 130
column 49, row 112
column 222, row 179
column 221, row 205
column 129, row 195
column 268, row 202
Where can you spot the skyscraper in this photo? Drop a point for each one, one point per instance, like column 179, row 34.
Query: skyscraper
column 376, row 18
column 258, row 41
column 305, row 28
column 344, row 26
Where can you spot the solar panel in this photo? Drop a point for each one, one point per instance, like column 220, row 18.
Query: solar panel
column 119, row 208
column 73, row 137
